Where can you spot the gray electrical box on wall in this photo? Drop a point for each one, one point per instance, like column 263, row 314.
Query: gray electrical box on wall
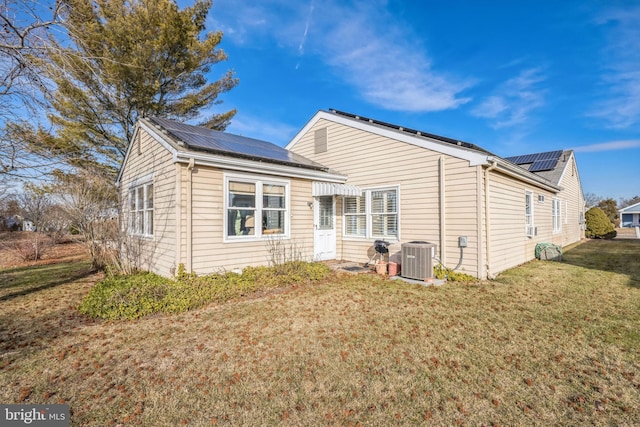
column 462, row 241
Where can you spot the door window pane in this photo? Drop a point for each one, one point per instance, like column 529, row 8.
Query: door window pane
column 325, row 213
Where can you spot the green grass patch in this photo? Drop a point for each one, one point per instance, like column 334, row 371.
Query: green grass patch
column 142, row 294
column 548, row 343
column 27, row 279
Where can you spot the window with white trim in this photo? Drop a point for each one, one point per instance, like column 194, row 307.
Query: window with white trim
column 355, row 216
column 141, row 210
column 256, row 208
column 374, row 214
column 556, row 213
column 528, row 214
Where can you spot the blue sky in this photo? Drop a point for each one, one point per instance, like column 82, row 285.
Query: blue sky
column 512, row 77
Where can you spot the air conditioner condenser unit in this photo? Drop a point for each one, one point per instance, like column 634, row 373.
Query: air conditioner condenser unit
column 417, row 260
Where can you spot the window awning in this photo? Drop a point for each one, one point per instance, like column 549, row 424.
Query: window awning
column 331, row 189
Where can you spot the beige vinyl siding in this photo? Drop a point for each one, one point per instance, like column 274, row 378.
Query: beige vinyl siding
column 211, row 254
column 507, row 222
column 509, row 244
column 571, row 194
column 372, row 161
column 147, row 156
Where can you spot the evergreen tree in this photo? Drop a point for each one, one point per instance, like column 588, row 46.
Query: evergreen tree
column 598, row 225
column 122, row 60
column 610, row 208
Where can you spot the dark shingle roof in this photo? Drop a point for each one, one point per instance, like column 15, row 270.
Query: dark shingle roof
column 549, row 165
column 212, row 141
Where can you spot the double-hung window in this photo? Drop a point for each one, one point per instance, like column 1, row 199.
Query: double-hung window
column 530, row 230
column 556, row 213
column 141, row 210
column 255, row 208
column 374, row 214
column 355, row 216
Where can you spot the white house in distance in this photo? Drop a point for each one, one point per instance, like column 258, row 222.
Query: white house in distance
column 213, row 201
column 630, row 216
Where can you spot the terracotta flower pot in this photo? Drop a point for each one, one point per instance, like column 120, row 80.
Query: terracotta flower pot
column 393, row 268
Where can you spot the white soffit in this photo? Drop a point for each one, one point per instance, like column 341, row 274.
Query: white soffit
column 332, row 189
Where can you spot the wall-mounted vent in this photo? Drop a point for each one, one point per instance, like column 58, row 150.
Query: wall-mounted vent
column 531, row 231
column 320, row 138
column 417, row 260
column 541, row 198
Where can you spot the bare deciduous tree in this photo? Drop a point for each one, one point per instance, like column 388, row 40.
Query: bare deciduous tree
column 90, row 201
column 26, row 25
column 25, row 33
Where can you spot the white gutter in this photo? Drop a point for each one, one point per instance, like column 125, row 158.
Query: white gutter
column 243, row 165
column 178, row 213
column 494, row 164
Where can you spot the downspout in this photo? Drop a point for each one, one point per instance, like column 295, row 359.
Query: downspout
column 494, row 164
column 178, row 213
column 189, row 214
column 443, row 237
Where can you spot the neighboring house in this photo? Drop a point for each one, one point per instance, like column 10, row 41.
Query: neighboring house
column 214, row 201
column 630, row 216
column 16, row 222
column 28, row 225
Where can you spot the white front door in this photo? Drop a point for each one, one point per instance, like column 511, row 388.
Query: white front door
column 324, row 224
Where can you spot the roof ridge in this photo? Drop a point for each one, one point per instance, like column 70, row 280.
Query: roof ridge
column 412, row 131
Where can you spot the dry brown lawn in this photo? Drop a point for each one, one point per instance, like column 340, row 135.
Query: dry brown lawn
column 545, row 344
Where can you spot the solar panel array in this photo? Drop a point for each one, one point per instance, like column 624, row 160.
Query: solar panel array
column 539, row 161
column 197, row 137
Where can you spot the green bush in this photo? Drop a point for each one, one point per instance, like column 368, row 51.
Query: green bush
column 443, row 273
column 598, row 225
column 138, row 295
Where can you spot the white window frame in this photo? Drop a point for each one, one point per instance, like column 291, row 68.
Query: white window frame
column 369, row 215
column 556, row 215
column 529, row 222
column 141, row 211
column 259, row 182
column 362, row 203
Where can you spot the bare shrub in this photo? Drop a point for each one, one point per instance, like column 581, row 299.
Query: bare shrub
column 126, row 256
column 31, row 248
column 281, row 252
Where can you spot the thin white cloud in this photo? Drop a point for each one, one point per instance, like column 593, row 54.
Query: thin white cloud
column 374, row 54
column 609, row 146
column 363, row 44
column 513, row 101
column 304, row 35
column 621, row 108
column 306, row 30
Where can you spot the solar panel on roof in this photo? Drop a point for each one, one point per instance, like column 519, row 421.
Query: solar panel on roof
column 543, row 165
column 536, row 157
column 513, row 159
column 201, row 138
